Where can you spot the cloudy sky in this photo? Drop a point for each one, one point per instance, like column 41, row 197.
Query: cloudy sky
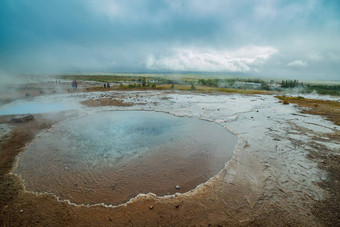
column 271, row 38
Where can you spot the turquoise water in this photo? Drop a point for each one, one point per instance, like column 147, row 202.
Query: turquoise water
column 111, row 136
column 33, row 107
column 112, row 156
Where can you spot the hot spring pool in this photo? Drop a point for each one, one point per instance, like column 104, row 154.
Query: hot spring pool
column 110, row 157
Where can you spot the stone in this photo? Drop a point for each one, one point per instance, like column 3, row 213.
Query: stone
column 178, row 187
column 151, row 207
column 22, row 119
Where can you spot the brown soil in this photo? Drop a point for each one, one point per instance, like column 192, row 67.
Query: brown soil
column 328, row 210
column 105, row 102
column 102, row 89
column 98, row 88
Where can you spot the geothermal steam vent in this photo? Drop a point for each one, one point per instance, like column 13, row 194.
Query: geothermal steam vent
column 110, row 157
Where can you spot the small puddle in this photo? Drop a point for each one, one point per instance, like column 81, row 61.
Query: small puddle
column 110, row 157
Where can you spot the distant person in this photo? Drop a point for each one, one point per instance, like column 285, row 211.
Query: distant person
column 108, row 85
column 104, row 85
column 73, row 85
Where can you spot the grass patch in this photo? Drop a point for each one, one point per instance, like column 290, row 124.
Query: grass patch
column 329, row 109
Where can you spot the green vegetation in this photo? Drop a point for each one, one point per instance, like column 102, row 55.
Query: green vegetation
column 255, row 84
column 323, row 89
column 206, row 83
column 290, row 83
column 119, row 78
column 193, row 87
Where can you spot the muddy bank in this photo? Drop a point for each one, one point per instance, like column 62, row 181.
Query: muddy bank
column 270, row 181
column 105, row 102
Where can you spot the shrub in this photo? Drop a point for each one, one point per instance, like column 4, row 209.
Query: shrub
column 193, row 86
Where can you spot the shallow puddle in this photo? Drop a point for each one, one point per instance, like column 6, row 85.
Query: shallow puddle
column 33, row 107
column 110, row 157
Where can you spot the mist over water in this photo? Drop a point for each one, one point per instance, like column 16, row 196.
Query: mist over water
column 110, row 157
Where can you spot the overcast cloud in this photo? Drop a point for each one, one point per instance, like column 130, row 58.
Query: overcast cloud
column 272, row 38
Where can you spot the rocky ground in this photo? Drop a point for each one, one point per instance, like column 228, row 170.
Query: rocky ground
column 284, row 172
